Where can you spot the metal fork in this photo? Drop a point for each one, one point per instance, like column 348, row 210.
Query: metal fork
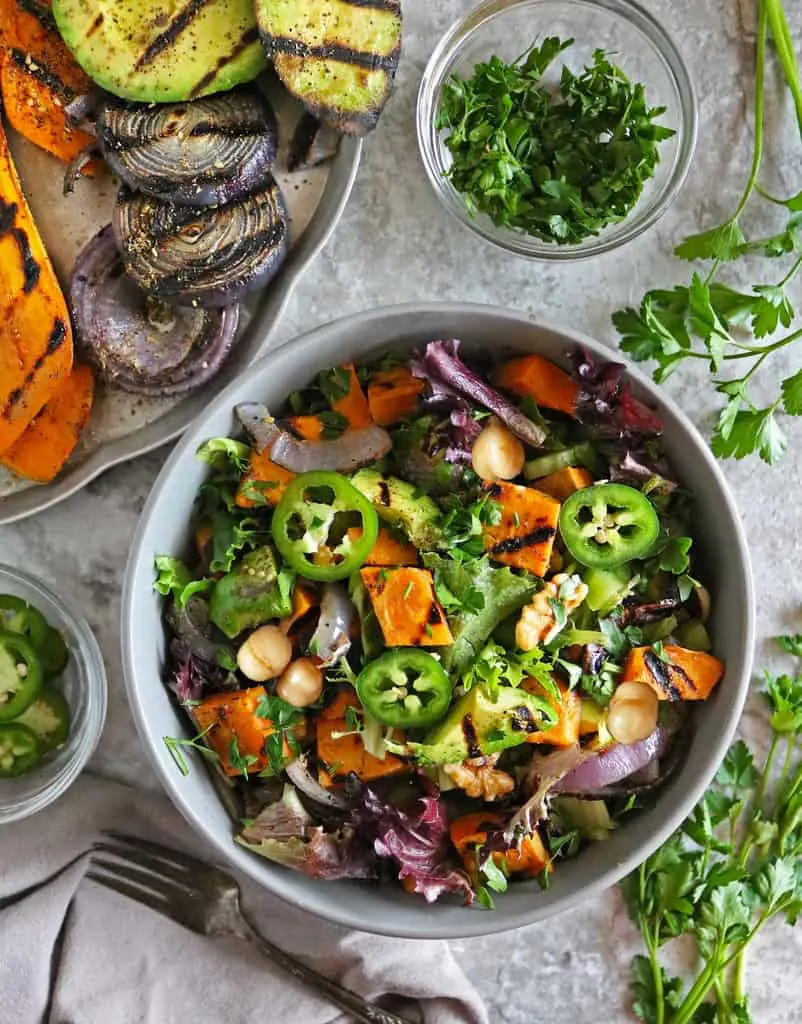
column 206, row 899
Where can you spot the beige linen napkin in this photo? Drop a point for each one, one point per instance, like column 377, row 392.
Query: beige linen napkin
column 72, row 952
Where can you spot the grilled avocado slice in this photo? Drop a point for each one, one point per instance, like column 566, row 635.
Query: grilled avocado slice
column 338, row 57
column 150, row 51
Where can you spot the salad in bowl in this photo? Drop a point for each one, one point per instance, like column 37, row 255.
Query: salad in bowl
column 443, row 624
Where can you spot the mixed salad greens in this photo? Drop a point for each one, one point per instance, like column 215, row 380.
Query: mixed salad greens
column 441, row 622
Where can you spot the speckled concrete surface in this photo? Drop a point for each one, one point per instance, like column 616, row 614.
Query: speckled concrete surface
column 396, row 244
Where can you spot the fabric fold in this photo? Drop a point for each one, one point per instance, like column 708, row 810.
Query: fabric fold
column 114, row 960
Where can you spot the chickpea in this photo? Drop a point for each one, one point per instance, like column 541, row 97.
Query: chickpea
column 265, row 654
column 632, row 714
column 301, row 683
column 497, row 454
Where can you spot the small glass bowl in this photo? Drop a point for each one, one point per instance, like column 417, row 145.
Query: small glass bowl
column 636, row 42
column 84, row 686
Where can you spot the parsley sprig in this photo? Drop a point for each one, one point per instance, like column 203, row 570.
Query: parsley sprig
column 559, row 167
column 733, row 866
column 736, row 333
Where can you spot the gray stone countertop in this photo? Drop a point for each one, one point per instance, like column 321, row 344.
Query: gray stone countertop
column 396, row 244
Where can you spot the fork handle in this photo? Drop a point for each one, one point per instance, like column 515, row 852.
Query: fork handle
column 360, row 1009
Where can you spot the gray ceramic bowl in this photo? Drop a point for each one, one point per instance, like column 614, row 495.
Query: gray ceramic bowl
column 163, row 529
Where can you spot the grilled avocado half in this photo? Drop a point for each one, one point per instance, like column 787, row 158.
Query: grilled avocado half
column 153, row 51
column 338, row 57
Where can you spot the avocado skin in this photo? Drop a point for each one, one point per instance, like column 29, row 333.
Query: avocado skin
column 135, row 50
column 478, row 726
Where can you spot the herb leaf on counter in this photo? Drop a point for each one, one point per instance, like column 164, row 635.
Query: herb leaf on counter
column 560, row 169
column 710, row 321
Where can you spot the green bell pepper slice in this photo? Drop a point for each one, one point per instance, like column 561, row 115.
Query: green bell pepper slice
column 607, row 525
column 311, row 521
column 405, row 688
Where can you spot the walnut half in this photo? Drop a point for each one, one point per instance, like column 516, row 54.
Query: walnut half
column 479, row 777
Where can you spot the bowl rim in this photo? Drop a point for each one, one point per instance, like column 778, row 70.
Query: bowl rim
column 469, row 925
column 526, row 245
column 95, row 678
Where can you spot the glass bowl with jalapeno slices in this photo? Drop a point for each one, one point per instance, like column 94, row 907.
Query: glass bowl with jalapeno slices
column 52, row 695
column 470, row 619
column 557, row 129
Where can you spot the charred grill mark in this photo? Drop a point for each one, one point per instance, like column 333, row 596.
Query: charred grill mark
column 512, row 544
column 42, row 14
column 433, row 617
column 8, row 214
column 13, row 398
column 30, row 268
column 662, row 675
column 236, row 130
column 471, row 738
column 165, row 39
column 246, row 40
column 384, row 493
column 94, row 26
column 42, row 73
column 381, row 5
column 335, row 51
column 522, row 720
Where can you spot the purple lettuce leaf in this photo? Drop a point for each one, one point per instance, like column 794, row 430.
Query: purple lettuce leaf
column 446, row 373
column 418, row 843
column 285, row 833
column 606, row 400
column 636, row 469
column 461, row 435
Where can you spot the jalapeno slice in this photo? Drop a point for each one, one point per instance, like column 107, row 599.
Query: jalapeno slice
column 49, row 717
column 405, row 688
column 606, row 525
column 311, row 523
column 20, row 675
column 17, row 616
column 20, row 750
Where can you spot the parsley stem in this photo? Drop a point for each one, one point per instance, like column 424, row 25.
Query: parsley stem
column 757, row 800
column 791, row 273
column 785, row 51
column 760, row 67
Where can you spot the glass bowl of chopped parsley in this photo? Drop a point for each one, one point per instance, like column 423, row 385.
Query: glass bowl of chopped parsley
column 557, row 129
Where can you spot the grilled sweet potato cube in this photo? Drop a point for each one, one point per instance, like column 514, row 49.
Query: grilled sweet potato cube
column 469, row 832
column 393, row 395
column 525, row 534
column 564, row 482
column 232, row 716
column 569, row 708
column 406, row 608
column 340, row 754
column 538, row 378
column 388, row 550
column 684, row 675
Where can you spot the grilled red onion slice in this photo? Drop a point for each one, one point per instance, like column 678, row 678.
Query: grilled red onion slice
column 134, row 344
column 302, row 779
column 612, row 765
column 353, row 449
column 207, row 256
column 312, row 144
column 213, row 150
column 332, row 639
column 258, row 424
column 440, row 362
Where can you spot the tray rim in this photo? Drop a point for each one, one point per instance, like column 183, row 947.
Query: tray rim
column 339, row 185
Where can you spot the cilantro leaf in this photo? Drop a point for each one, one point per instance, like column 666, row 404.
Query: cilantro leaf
column 738, row 768
column 792, row 394
column 750, row 430
column 724, row 242
column 784, row 695
column 791, row 644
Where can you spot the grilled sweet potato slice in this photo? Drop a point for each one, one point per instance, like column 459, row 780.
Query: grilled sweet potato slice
column 524, row 536
column 406, row 609
column 681, row 674
column 35, row 336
